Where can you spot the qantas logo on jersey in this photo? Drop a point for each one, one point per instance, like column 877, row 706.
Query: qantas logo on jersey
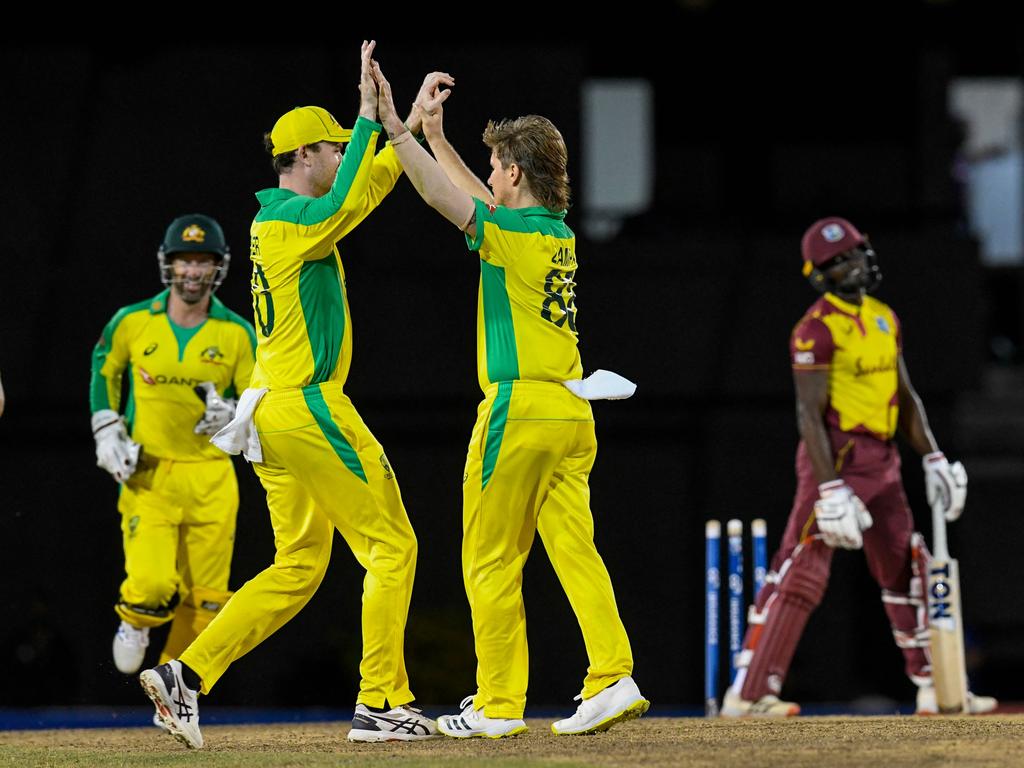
column 884, row 365
column 152, row 380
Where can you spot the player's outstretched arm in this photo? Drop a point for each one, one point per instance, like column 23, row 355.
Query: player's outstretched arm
column 423, row 171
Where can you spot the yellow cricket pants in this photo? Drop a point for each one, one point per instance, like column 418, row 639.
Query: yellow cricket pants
column 527, row 469
column 322, row 469
column 178, row 531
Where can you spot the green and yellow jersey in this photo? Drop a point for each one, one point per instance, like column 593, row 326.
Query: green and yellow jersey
column 526, row 312
column 298, row 281
column 860, row 347
column 164, row 364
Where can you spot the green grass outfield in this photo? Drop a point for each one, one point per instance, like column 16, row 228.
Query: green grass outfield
column 878, row 742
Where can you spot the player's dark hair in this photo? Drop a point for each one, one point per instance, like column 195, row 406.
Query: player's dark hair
column 283, row 163
column 535, row 145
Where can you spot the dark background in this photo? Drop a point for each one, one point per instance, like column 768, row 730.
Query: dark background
column 763, row 124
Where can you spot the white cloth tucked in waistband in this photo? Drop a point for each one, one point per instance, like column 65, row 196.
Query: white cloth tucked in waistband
column 239, row 436
column 602, row 385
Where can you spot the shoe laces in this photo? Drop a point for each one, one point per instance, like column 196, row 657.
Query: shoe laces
column 467, row 703
column 587, row 707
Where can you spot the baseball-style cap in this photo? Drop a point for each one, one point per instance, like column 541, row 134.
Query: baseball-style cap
column 194, row 233
column 306, row 125
column 827, row 238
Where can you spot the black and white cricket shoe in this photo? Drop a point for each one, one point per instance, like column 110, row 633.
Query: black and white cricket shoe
column 176, row 704
column 405, row 723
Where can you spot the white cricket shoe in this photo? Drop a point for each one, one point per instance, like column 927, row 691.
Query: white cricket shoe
column 927, row 704
column 176, row 704
column 767, row 706
column 618, row 702
column 403, row 723
column 471, row 723
column 130, row 645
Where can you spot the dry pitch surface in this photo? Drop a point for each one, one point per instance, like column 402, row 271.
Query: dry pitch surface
column 879, row 742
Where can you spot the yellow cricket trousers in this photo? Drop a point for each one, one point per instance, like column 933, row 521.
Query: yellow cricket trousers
column 322, row 469
column 178, row 531
column 527, row 469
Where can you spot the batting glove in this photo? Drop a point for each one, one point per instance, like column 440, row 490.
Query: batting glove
column 219, row 410
column 946, row 484
column 841, row 516
column 115, row 451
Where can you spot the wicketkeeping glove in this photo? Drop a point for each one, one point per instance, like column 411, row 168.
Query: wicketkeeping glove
column 841, row 516
column 946, row 484
column 219, row 410
column 115, row 451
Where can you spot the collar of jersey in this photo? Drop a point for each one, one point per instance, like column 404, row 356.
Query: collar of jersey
column 844, row 306
column 273, row 195
column 539, row 210
column 159, row 305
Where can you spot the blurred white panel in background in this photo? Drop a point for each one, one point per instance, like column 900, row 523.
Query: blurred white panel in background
column 618, row 153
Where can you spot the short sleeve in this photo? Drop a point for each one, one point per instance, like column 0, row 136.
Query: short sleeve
column 811, row 346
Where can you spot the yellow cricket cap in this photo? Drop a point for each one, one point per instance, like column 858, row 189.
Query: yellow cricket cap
column 306, row 125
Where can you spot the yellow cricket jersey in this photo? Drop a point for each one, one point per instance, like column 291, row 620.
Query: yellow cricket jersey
column 860, row 347
column 526, row 313
column 298, row 281
column 164, row 364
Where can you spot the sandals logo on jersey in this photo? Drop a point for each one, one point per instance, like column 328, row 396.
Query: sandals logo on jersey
column 388, row 474
column 212, row 355
column 883, row 324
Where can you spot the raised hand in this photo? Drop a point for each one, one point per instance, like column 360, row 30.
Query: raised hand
column 386, row 104
column 428, row 101
column 367, row 84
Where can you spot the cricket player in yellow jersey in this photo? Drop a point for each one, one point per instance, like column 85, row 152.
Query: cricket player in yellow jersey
column 533, row 444
column 853, row 395
column 179, row 495
column 321, row 467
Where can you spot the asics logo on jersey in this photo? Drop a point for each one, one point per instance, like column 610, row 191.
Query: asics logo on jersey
column 150, row 349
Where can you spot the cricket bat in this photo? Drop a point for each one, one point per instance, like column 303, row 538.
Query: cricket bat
column 945, row 620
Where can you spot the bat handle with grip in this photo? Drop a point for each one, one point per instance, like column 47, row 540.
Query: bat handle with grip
column 940, row 547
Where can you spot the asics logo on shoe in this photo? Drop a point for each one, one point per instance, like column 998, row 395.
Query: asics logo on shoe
column 406, row 725
column 184, row 710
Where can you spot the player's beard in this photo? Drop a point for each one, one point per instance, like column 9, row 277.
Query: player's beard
column 192, row 295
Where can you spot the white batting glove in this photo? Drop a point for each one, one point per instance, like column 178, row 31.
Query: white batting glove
column 115, row 451
column 219, row 410
column 946, row 484
column 841, row 516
